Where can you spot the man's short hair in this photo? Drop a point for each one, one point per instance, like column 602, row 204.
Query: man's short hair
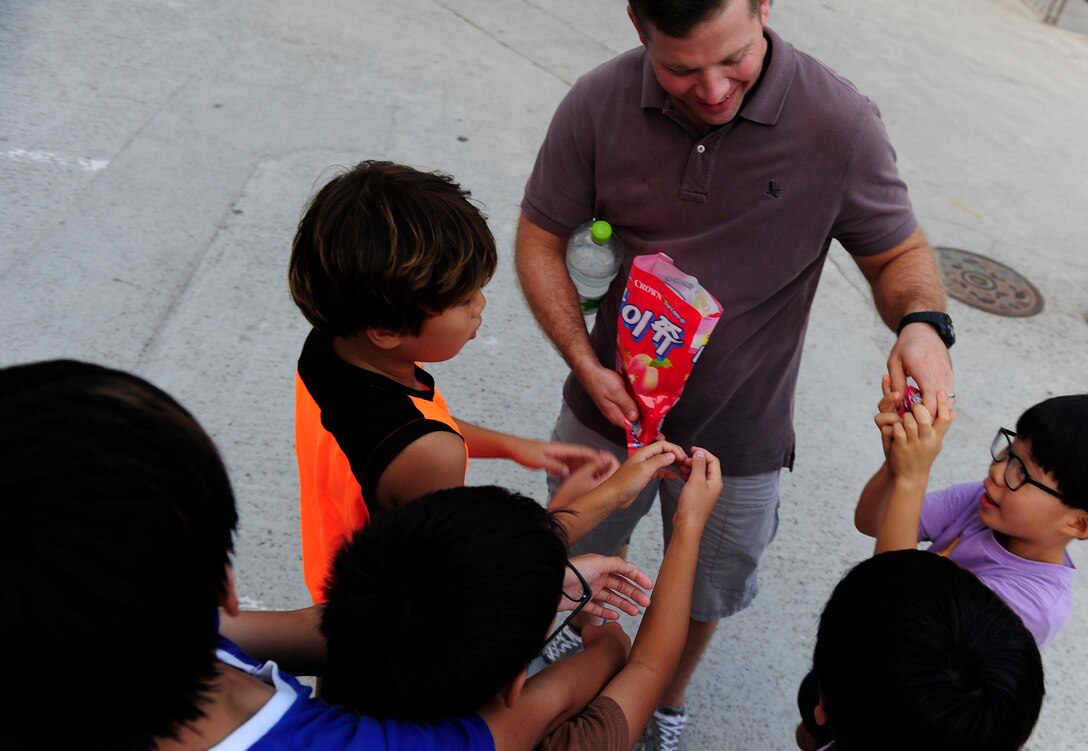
column 439, row 604
column 116, row 518
column 915, row 652
column 677, row 18
column 386, row 246
column 1058, row 432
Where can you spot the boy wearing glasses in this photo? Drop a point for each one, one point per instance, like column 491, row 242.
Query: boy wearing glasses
column 436, row 609
column 1011, row 529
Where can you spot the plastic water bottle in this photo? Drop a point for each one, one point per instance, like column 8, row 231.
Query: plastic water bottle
column 594, row 257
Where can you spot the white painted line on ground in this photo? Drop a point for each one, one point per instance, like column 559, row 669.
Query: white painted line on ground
column 60, row 160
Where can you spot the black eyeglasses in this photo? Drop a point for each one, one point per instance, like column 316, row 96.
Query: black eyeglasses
column 587, row 595
column 1015, row 472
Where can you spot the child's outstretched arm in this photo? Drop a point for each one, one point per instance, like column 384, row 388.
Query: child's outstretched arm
column 557, row 693
column 874, row 496
column 558, row 458
column 591, row 507
column 292, row 638
column 660, row 640
column 916, row 441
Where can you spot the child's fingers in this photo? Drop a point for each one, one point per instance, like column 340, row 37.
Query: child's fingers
column 884, row 419
column 638, row 576
column 712, row 468
column 698, row 465
column 656, row 448
column 607, row 462
column 910, row 425
column 945, row 415
column 921, row 415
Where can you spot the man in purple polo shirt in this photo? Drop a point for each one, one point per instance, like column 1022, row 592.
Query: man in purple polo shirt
column 742, row 158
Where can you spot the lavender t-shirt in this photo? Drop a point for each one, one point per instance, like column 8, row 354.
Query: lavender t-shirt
column 1040, row 593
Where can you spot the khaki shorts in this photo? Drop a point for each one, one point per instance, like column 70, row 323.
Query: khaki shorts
column 744, row 522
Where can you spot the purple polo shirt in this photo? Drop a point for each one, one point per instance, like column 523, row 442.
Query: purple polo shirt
column 749, row 208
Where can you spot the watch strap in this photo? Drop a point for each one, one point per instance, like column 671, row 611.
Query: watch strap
column 942, row 322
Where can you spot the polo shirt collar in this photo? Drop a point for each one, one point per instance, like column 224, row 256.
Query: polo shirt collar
column 764, row 106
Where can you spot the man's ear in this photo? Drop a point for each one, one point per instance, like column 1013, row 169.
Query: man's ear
column 384, row 338
column 512, row 690
column 229, row 599
column 638, row 29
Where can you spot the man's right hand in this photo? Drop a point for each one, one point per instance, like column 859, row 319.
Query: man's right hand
column 539, row 259
column 609, row 392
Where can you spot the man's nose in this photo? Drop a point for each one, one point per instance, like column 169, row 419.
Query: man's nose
column 714, row 86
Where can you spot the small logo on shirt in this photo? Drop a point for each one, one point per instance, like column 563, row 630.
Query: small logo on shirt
column 773, row 190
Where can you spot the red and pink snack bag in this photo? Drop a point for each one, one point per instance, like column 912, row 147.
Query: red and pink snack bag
column 665, row 321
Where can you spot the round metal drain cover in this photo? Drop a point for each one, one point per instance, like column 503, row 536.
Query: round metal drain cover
column 987, row 285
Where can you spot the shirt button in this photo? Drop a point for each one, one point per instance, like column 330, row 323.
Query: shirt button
column 700, row 148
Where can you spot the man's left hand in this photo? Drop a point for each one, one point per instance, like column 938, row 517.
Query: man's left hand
column 920, row 354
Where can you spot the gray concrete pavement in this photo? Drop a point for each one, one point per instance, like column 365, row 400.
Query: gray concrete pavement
column 155, row 157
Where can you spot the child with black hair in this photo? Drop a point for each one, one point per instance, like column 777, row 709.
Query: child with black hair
column 116, row 526
column 388, row 265
column 914, row 652
column 1010, row 529
column 412, row 641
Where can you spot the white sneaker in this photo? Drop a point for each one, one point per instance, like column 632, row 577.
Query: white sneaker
column 664, row 730
column 568, row 642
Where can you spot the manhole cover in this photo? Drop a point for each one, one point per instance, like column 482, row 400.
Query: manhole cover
column 987, row 285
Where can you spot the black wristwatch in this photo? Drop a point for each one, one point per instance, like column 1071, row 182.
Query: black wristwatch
column 940, row 321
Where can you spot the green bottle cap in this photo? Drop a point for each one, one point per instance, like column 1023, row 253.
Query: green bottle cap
column 601, row 231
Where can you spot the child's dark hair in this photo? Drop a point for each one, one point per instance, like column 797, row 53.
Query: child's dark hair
column 116, row 519
column 439, row 604
column 1058, row 432
column 915, row 652
column 386, row 246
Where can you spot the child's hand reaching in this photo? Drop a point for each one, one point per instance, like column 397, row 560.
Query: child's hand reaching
column 887, row 415
column 916, row 440
column 557, row 458
column 592, row 500
column 615, row 583
column 647, row 463
column 702, row 489
column 584, row 479
column 610, row 636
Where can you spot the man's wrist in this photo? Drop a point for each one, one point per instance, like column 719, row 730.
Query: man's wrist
column 941, row 323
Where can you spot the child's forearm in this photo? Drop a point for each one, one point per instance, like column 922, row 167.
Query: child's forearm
column 662, row 634
column 577, row 680
column 554, row 695
column 589, row 510
column 873, row 501
column 899, row 527
column 483, row 443
column 292, row 638
column 664, row 626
